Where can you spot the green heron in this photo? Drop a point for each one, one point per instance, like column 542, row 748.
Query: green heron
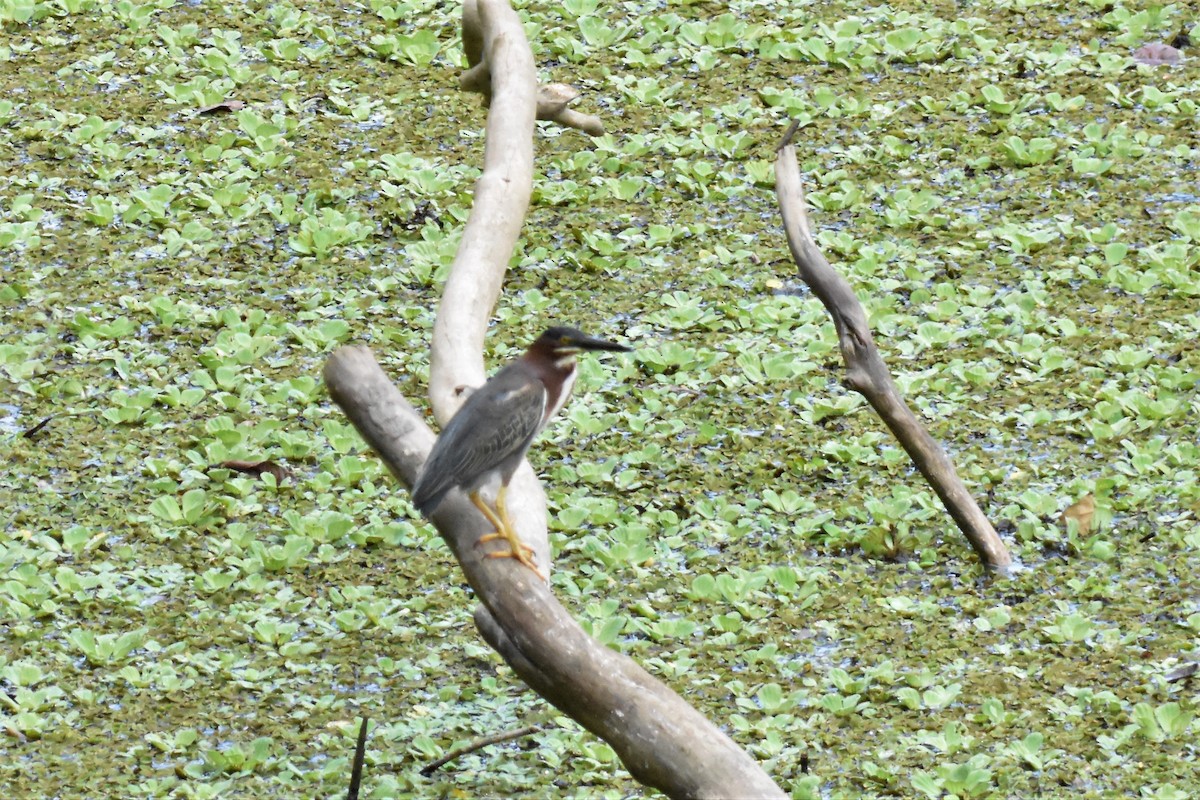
column 488, row 437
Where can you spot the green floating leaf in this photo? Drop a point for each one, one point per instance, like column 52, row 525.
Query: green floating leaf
column 166, row 508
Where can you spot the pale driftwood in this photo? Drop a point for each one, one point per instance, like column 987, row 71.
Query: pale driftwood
column 501, row 200
column 552, row 98
column 663, row 742
column 552, row 102
column 477, row 274
column 867, row 374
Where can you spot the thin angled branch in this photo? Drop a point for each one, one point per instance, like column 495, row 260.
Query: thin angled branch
column 866, row 371
column 360, row 756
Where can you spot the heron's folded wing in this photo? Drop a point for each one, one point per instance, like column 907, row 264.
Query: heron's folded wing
column 495, row 423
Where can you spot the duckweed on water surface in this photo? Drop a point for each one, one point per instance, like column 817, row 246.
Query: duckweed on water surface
column 1014, row 197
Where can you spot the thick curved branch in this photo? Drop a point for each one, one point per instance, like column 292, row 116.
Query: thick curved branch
column 663, row 741
column 488, row 242
column 867, row 374
column 494, row 225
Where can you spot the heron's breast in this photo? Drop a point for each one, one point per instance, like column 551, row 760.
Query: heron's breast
column 556, row 400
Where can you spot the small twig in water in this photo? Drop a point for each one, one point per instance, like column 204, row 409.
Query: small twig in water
column 788, row 134
column 360, row 754
column 479, row 744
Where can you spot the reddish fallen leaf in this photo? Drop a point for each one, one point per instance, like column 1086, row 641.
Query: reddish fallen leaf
column 1082, row 512
column 257, row 468
column 1157, row 54
column 224, row 107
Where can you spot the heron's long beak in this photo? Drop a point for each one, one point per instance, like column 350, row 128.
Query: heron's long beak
column 595, row 343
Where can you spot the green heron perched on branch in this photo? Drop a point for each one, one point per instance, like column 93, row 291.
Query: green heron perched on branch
column 488, row 437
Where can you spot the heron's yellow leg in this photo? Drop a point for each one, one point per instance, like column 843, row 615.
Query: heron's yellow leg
column 497, row 523
column 504, row 530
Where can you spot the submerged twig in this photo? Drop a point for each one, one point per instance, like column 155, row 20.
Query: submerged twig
column 360, row 754
column 479, row 744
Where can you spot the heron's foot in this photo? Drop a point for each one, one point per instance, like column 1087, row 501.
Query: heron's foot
column 504, row 530
column 522, row 553
column 510, row 538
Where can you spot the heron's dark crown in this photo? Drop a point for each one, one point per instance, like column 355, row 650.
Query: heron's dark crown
column 560, row 340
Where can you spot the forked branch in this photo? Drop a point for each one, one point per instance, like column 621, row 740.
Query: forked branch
column 867, row 374
column 553, row 99
column 663, row 741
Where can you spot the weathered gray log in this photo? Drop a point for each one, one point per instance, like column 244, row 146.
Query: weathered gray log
column 866, row 372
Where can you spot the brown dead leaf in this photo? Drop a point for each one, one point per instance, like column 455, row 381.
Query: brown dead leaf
column 223, row 107
column 258, row 468
column 1156, row 54
column 1082, row 511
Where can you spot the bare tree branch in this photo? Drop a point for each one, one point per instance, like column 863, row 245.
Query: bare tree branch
column 867, row 374
column 360, row 756
column 553, row 98
column 663, row 741
column 488, row 242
